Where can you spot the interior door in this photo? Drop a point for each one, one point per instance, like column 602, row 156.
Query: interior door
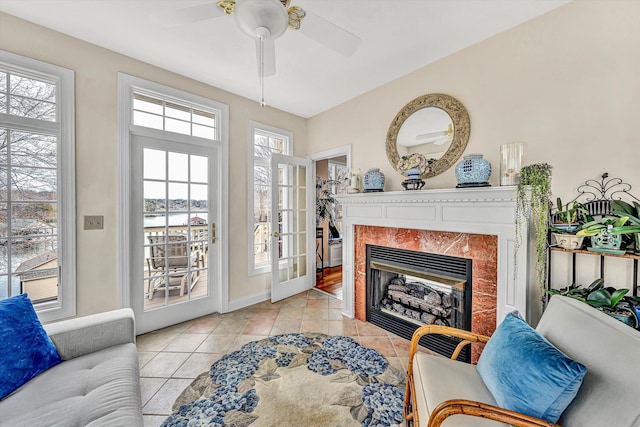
column 292, row 213
column 175, row 261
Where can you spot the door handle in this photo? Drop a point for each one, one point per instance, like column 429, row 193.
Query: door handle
column 275, row 234
column 213, row 232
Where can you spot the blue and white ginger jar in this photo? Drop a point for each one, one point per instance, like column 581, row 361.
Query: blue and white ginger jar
column 473, row 169
column 373, row 180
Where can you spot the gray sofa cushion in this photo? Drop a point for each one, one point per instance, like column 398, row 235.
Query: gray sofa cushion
column 97, row 389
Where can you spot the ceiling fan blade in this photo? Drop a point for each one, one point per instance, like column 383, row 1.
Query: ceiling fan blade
column 269, row 58
column 188, row 15
column 329, row 34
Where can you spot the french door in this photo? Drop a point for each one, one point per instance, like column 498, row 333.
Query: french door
column 175, row 258
column 292, row 213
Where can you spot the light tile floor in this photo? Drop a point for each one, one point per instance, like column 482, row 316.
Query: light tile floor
column 172, row 357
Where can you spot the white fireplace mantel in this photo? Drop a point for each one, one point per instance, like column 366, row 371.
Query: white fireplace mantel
column 484, row 210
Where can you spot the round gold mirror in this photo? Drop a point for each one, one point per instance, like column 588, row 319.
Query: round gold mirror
column 435, row 126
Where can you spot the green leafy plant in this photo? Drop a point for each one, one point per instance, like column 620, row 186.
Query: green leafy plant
column 324, row 200
column 614, row 302
column 613, row 225
column 533, row 196
column 569, row 217
column 622, row 208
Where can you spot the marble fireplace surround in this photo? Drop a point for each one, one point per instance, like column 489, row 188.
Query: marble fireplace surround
column 476, row 223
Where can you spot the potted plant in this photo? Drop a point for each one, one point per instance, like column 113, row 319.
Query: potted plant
column 533, row 194
column 606, row 233
column 325, row 202
column 566, row 221
column 614, row 302
column 622, row 208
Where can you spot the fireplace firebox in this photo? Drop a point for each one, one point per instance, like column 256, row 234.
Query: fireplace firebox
column 408, row 289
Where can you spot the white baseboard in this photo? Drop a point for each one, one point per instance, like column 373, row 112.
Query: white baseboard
column 247, row 301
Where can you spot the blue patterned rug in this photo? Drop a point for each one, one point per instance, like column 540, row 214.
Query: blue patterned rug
column 294, row 380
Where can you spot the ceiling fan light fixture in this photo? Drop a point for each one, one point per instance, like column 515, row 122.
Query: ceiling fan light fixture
column 251, row 15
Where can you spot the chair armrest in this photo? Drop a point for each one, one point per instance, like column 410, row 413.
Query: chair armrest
column 467, row 337
column 477, row 409
column 88, row 334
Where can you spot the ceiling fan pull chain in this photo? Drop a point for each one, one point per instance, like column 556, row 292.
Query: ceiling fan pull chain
column 262, row 103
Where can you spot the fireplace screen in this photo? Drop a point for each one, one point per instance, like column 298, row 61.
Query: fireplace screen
column 408, row 289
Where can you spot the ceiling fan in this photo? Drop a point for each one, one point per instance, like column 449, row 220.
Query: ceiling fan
column 265, row 21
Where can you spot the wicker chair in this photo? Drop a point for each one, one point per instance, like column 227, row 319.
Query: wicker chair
column 457, row 406
column 172, row 264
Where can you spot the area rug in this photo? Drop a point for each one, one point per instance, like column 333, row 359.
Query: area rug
column 294, row 380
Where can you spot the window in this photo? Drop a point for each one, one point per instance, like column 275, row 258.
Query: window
column 264, row 141
column 156, row 113
column 37, row 207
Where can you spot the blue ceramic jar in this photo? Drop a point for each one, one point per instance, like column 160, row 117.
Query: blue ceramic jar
column 473, row 170
column 373, row 180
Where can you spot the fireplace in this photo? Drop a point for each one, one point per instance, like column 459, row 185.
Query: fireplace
column 407, row 289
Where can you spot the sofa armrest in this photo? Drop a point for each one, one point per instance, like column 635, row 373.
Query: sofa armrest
column 88, row 334
column 477, row 409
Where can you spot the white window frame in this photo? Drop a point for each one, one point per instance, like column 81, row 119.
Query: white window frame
column 64, row 129
column 288, row 150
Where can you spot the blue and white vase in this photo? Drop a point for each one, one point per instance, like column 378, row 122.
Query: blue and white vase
column 473, row 170
column 373, row 180
column 413, row 173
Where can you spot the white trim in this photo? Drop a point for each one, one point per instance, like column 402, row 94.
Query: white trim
column 487, row 210
column 253, row 125
column 64, row 79
column 126, row 85
column 237, row 304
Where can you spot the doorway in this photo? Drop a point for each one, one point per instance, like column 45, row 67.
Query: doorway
column 331, row 169
column 174, row 218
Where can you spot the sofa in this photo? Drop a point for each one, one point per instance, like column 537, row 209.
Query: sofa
column 446, row 392
column 96, row 384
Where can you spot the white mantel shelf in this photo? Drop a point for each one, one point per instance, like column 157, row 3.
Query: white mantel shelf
column 483, row 210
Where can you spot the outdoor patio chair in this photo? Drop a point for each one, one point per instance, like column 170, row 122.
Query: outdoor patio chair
column 169, row 262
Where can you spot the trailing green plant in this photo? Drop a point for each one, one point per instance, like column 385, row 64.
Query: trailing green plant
column 533, row 196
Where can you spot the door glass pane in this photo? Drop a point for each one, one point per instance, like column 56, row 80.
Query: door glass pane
column 154, row 165
column 176, row 244
column 178, row 167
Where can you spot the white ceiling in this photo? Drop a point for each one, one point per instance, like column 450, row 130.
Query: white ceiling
column 398, row 36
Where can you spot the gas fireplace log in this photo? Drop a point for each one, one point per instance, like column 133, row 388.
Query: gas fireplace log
column 416, row 303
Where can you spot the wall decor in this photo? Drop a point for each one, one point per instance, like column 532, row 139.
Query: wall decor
column 436, row 126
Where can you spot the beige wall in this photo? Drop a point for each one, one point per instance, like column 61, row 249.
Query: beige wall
column 565, row 83
column 96, row 153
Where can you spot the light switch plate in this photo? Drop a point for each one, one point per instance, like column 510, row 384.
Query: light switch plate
column 93, row 222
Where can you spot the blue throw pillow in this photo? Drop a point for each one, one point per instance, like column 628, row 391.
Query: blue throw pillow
column 525, row 373
column 25, row 348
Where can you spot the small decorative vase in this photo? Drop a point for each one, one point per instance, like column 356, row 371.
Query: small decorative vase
column 511, row 158
column 473, row 171
column 373, row 180
column 605, row 240
column 413, row 173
